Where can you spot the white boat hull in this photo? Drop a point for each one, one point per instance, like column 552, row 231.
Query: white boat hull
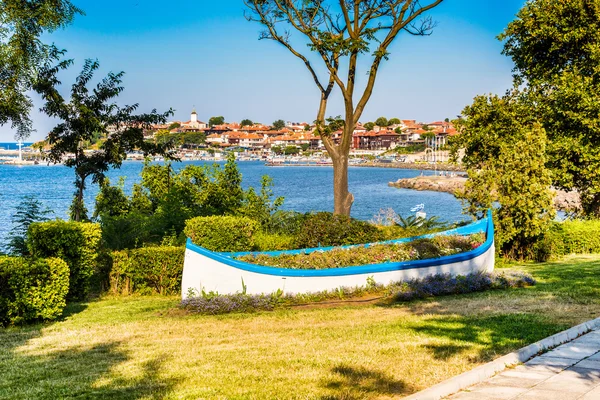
column 220, row 272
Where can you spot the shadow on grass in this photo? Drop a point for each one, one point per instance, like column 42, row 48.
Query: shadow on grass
column 351, row 383
column 75, row 372
column 490, row 335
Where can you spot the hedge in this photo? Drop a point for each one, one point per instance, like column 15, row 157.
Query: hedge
column 222, row 233
column 149, row 270
column 324, row 229
column 568, row 237
column 32, row 290
column 77, row 243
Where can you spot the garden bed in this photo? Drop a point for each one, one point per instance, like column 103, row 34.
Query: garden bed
column 341, row 257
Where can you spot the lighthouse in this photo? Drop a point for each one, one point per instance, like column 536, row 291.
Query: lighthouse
column 194, row 117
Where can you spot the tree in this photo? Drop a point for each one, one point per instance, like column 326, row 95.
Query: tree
column 382, row 122
column 89, row 113
column 369, row 126
column 277, row 150
column 291, row 150
column 216, row 121
column 505, row 155
column 30, row 210
column 338, row 32
column 246, row 122
column 174, row 125
column 394, row 121
column 194, row 138
column 23, row 54
column 279, row 125
column 555, row 46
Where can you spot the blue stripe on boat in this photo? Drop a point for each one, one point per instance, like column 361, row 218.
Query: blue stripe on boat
column 484, row 225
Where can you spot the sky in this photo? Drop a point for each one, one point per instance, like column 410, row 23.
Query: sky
column 182, row 54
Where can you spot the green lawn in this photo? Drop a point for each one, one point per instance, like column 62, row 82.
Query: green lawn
column 145, row 348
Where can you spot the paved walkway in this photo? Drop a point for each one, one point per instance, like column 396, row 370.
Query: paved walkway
column 569, row 372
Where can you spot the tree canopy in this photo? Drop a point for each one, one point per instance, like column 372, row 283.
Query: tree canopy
column 246, row 122
column 279, row 124
column 23, row 54
column 505, row 156
column 216, row 121
column 337, row 34
column 90, row 113
column 382, row 122
column 555, row 46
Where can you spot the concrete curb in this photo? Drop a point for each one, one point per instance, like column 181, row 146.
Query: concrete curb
column 490, row 369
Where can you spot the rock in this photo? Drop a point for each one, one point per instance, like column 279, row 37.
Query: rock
column 565, row 201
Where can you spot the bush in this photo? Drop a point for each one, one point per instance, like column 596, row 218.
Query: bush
column 77, row 243
column 32, row 290
column 272, row 242
column 435, row 285
column 446, row 284
column 568, row 237
column 222, row 233
column 325, row 229
column 361, row 255
column 149, row 270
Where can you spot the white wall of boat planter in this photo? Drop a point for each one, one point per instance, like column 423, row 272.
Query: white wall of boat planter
column 220, row 272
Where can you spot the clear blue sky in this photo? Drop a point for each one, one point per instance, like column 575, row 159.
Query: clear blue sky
column 182, row 53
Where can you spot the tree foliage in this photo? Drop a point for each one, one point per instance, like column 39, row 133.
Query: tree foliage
column 216, row 121
column 30, row 210
column 246, row 122
column 165, row 199
column 23, row 54
column 337, row 33
column 555, row 46
column 279, row 124
column 382, row 122
column 505, row 155
column 90, row 113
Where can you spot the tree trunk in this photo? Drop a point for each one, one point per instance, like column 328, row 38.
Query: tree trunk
column 342, row 198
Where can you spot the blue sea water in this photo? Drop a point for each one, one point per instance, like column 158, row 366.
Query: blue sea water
column 304, row 188
column 12, row 145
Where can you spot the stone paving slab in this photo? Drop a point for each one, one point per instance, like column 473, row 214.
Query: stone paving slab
column 569, row 372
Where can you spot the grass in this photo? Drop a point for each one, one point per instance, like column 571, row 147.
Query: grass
column 146, row 348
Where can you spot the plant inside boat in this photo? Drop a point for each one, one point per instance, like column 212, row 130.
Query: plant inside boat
column 339, row 257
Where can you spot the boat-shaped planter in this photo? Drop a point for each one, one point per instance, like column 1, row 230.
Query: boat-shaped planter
column 222, row 273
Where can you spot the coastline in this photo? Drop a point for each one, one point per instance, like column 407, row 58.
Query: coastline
column 563, row 201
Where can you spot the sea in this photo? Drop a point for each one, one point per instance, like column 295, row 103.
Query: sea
column 12, row 146
column 304, row 189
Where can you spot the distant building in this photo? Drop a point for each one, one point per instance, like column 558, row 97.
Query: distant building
column 193, row 125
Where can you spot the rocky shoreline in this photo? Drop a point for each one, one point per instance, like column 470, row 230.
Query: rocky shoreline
column 564, row 201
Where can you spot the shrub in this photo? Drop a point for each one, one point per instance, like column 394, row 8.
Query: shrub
column 435, row 285
column 222, row 233
column 273, row 242
column 149, row 270
column 326, row 229
column 225, row 304
column 568, row 237
column 32, row 290
column 446, row 284
column 286, row 222
column 361, row 255
column 77, row 243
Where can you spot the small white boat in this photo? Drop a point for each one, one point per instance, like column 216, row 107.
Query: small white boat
column 222, row 273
